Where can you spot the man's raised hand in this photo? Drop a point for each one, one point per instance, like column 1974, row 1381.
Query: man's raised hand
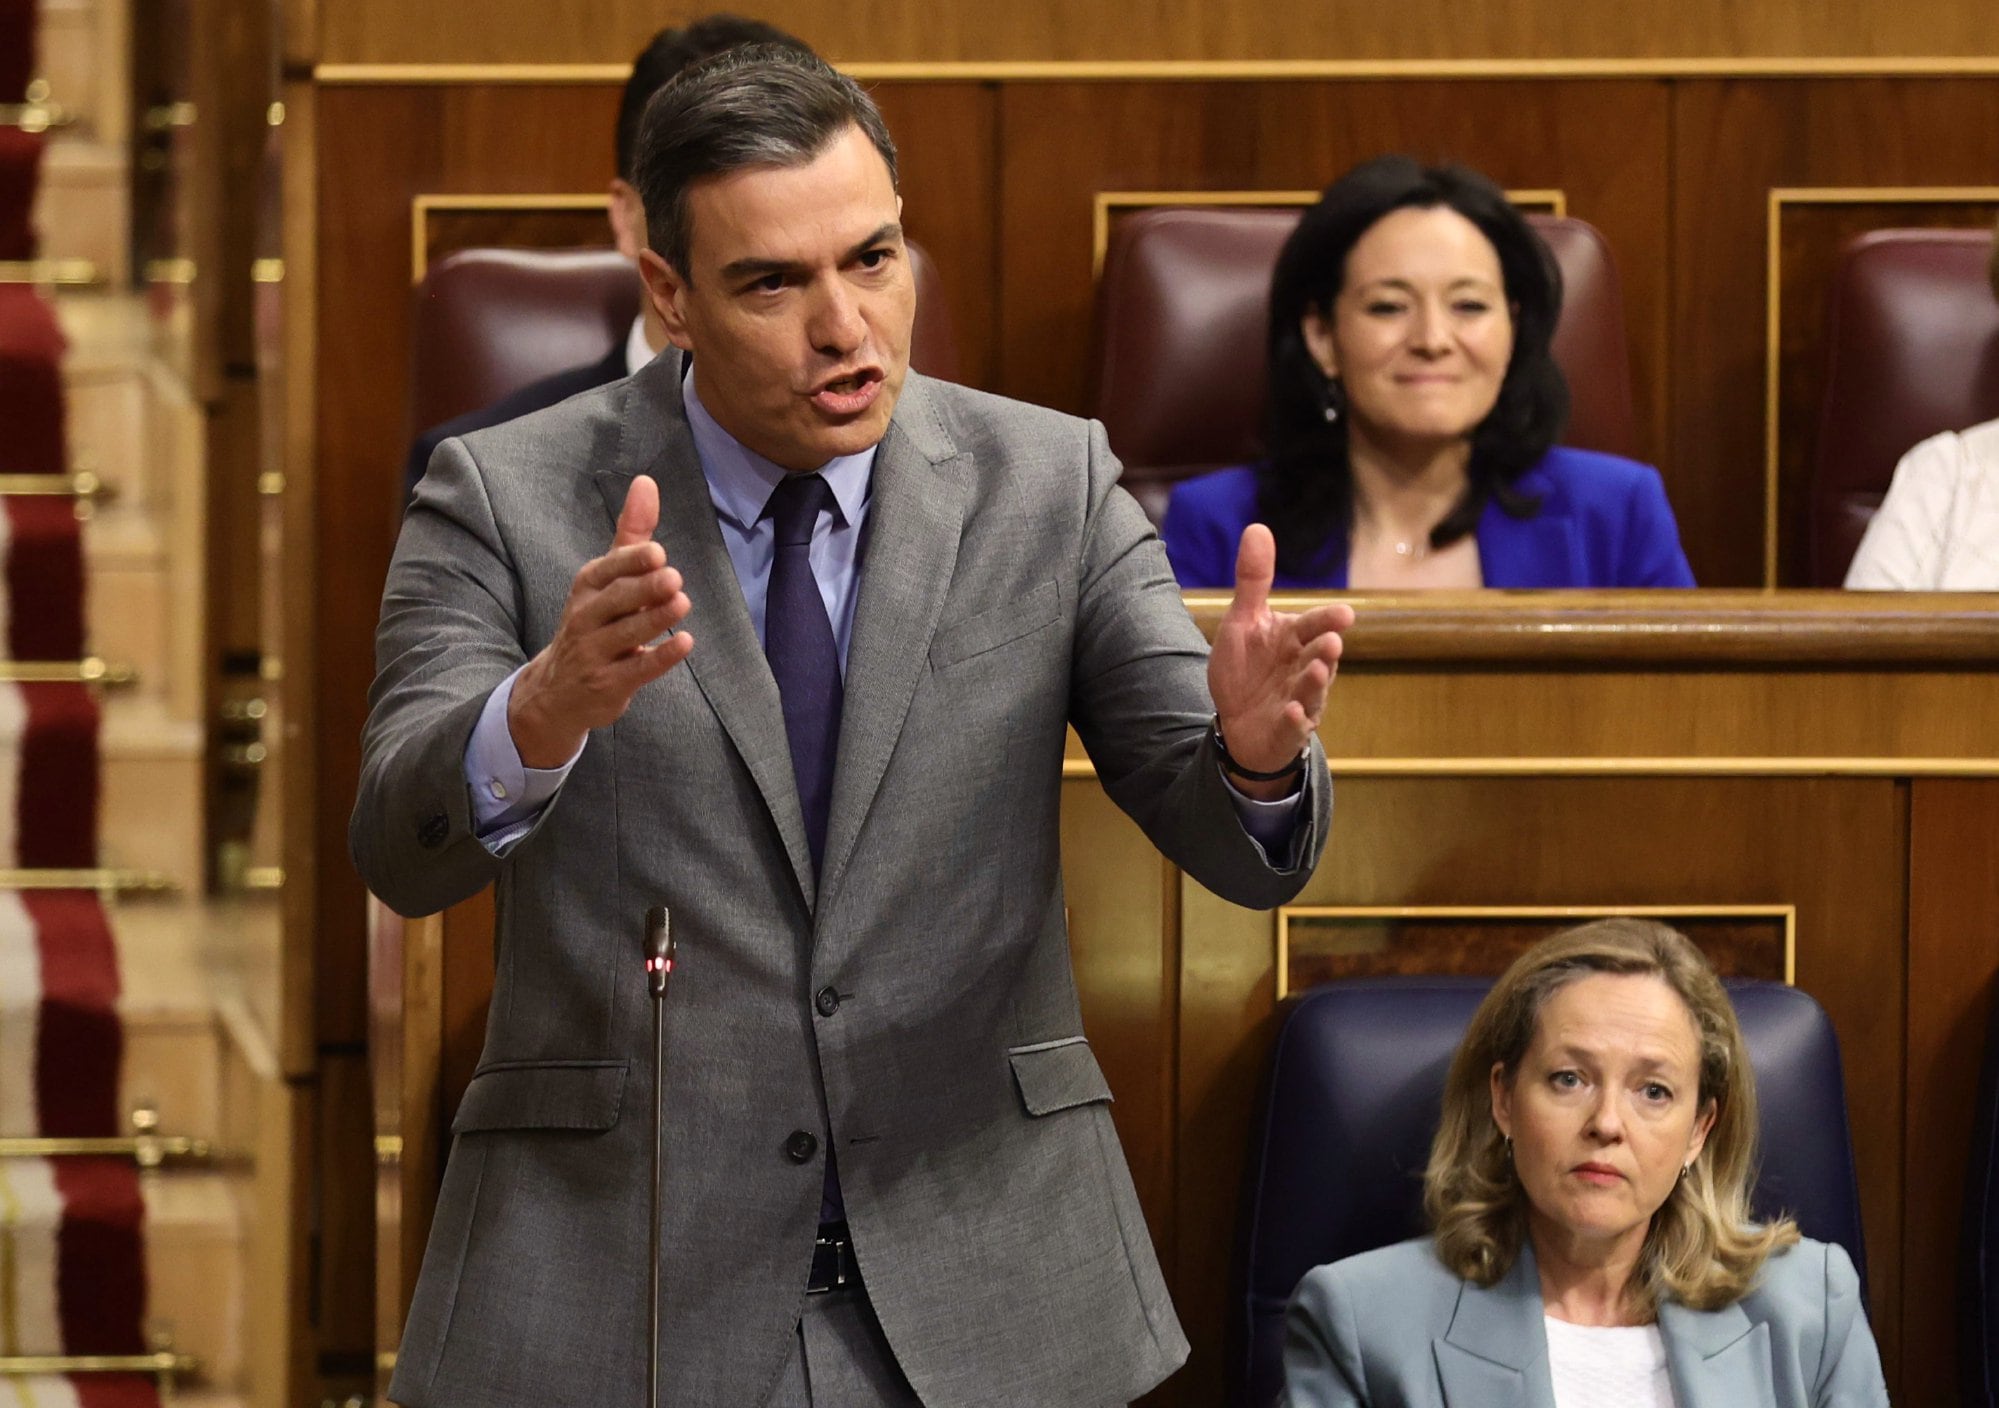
column 603, row 652
column 1269, row 670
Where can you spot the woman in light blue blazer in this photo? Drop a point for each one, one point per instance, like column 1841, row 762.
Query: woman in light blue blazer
column 1412, row 408
column 1593, row 1243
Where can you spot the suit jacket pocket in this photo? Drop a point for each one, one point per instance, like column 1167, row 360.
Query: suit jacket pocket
column 542, row 1095
column 1057, row 1075
column 989, row 630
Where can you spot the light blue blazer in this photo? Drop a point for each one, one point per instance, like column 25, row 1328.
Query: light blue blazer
column 1395, row 1328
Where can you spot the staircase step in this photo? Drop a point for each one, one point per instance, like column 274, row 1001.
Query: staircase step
column 85, row 208
column 149, row 811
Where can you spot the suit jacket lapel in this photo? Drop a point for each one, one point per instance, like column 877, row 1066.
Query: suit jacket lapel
column 1717, row 1358
column 1495, row 1354
column 917, row 510
column 727, row 662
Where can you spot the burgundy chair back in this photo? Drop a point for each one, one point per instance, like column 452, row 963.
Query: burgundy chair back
column 490, row 321
column 1912, row 345
column 1182, row 306
column 17, row 49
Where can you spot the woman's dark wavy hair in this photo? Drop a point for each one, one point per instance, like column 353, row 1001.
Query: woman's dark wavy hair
column 1305, row 487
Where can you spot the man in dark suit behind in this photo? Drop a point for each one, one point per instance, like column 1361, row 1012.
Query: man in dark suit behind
column 670, row 51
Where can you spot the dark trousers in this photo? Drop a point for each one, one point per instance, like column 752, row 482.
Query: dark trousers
column 841, row 1359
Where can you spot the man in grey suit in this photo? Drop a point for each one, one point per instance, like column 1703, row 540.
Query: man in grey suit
column 893, row 1176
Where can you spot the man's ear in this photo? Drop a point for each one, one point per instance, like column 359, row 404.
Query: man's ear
column 666, row 288
column 628, row 219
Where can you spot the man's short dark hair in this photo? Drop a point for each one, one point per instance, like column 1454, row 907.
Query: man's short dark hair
column 758, row 105
column 673, row 50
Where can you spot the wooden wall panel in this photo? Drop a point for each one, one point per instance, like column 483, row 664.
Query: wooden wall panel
column 1065, row 142
column 1832, row 848
column 1733, row 143
column 609, row 31
column 1953, row 960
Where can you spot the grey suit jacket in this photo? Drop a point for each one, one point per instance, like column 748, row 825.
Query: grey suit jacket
column 913, row 1005
column 1395, row 1328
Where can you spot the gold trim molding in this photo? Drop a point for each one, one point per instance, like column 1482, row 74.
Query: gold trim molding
column 1575, row 913
column 1211, row 70
column 1773, row 329
column 1105, row 204
column 1081, row 769
column 421, row 207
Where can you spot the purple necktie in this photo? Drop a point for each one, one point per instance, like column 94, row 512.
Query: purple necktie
column 798, row 640
column 805, row 660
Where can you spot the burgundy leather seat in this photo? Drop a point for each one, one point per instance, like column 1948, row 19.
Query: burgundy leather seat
column 490, row 321
column 1912, row 350
column 1181, row 313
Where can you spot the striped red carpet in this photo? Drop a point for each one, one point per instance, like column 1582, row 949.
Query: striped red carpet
column 72, row 1230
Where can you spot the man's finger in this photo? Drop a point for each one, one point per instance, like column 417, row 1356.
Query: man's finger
column 639, row 518
column 635, row 560
column 1334, row 616
column 1255, row 565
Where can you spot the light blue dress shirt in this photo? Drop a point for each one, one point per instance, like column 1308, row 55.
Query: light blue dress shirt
column 508, row 796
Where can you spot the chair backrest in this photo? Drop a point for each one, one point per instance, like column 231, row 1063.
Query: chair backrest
column 491, row 321
column 1356, row 1078
column 1912, row 343
column 1181, row 312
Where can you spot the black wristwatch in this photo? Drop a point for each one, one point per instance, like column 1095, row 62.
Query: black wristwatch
column 1236, row 769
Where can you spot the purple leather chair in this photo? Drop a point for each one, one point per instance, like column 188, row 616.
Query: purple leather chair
column 1336, row 1162
column 1912, row 350
column 1182, row 306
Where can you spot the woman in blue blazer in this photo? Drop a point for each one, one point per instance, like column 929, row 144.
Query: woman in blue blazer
column 1413, row 406
column 1593, row 1244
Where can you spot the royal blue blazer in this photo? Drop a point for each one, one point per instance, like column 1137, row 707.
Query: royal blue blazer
column 1603, row 522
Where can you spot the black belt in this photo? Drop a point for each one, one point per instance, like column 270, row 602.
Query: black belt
column 834, row 1266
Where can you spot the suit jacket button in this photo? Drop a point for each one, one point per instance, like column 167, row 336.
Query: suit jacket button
column 430, row 835
column 828, row 1002
column 800, row 1147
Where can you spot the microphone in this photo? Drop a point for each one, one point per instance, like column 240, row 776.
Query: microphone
column 659, row 970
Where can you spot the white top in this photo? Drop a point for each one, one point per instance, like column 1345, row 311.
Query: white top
column 1938, row 528
column 1608, row 1366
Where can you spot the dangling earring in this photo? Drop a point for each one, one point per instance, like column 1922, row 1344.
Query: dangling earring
column 1509, row 1146
column 1685, row 1169
column 1332, row 401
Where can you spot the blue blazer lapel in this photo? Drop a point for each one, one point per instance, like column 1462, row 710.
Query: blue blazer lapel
column 1717, row 1358
column 1495, row 1354
column 911, row 552
column 727, row 662
column 1543, row 551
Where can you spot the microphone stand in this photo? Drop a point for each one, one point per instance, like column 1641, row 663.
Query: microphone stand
column 659, row 968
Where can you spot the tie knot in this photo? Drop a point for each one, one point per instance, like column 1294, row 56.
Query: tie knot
column 794, row 505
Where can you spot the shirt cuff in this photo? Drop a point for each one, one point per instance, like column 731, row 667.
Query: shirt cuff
column 507, row 796
column 1272, row 825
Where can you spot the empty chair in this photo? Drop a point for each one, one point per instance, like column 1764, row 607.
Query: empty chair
column 1336, row 1163
column 1912, row 351
column 1181, row 321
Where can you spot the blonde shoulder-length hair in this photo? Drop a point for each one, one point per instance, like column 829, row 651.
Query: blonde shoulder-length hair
column 1705, row 1247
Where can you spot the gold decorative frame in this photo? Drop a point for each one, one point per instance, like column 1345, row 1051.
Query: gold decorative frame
column 422, row 206
column 1107, row 203
column 1780, row 197
column 1206, row 70
column 1081, row 769
column 1570, row 913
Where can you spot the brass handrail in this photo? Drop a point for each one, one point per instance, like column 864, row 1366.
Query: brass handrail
column 107, row 880
column 82, row 485
column 36, row 117
column 57, row 273
column 91, row 669
column 146, row 1150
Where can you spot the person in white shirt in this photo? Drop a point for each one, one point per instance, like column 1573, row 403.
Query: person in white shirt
column 1938, row 528
column 1589, row 1190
